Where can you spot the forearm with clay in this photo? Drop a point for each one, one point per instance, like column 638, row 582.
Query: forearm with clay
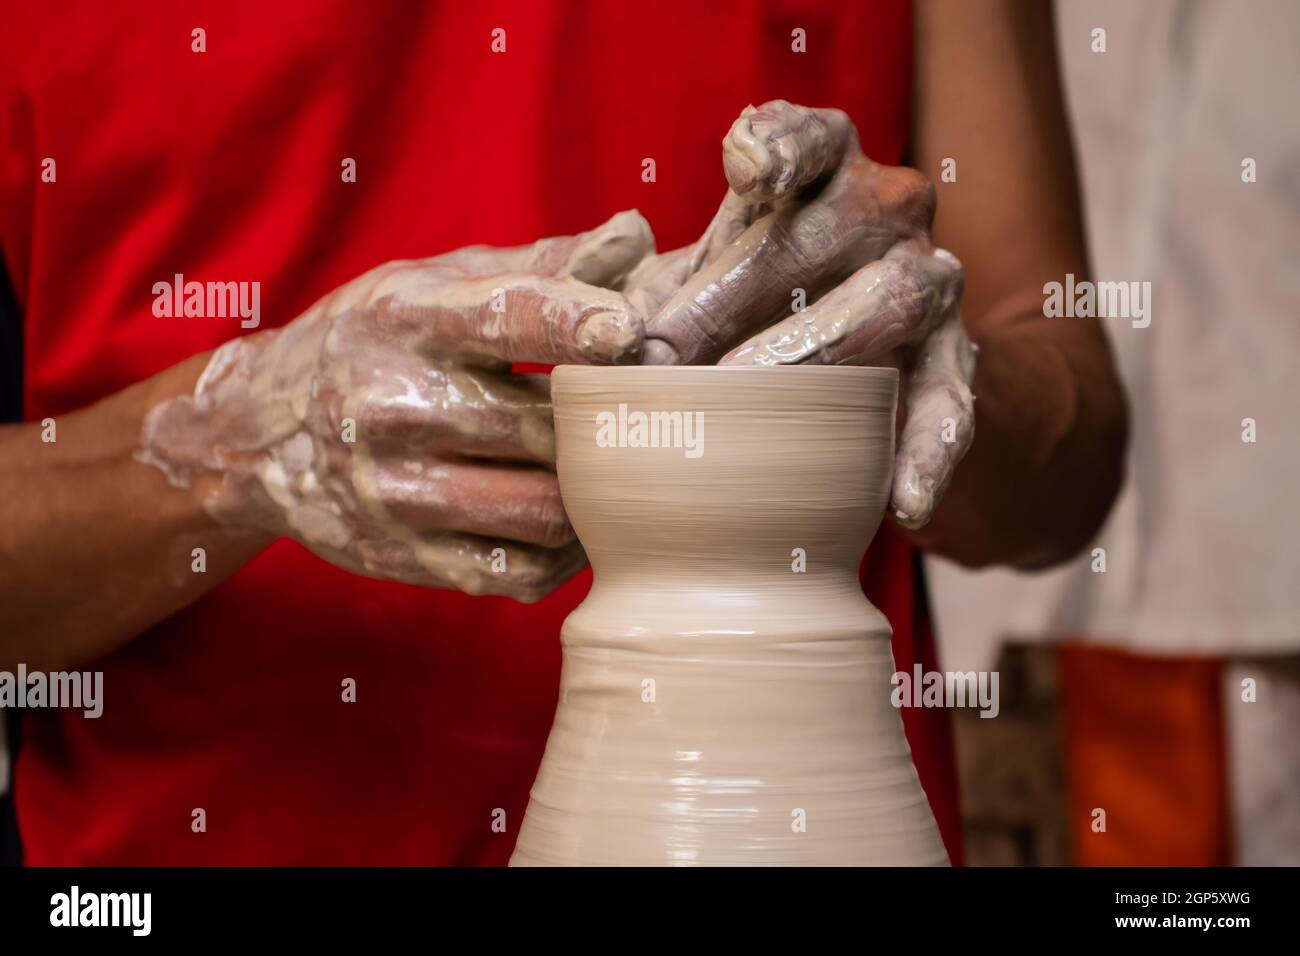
column 96, row 547
column 228, row 450
column 384, row 428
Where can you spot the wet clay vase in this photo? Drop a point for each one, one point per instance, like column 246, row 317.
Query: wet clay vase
column 725, row 696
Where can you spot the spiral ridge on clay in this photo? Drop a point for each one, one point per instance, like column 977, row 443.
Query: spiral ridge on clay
column 725, row 694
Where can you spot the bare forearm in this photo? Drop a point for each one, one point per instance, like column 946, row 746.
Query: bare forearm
column 1047, row 460
column 95, row 546
column 1051, row 424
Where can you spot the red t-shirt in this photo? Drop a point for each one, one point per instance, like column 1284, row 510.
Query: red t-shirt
column 225, row 165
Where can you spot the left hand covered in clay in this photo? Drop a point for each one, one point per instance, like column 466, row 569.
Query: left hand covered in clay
column 820, row 255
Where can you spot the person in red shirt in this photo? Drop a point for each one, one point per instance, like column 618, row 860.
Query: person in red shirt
column 384, row 704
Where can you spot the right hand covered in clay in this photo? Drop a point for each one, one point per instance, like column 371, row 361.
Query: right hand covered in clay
column 384, row 429
column 820, row 255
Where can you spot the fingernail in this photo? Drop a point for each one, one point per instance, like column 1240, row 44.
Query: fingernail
column 613, row 338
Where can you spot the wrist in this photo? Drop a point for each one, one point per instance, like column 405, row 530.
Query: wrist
column 198, row 428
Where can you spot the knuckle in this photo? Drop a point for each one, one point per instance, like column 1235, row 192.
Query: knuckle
column 779, row 106
column 904, row 283
column 548, row 254
column 910, row 197
column 805, row 245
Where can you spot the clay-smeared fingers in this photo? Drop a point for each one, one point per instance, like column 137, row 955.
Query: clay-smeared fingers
column 735, row 214
column 518, row 502
column 769, row 155
column 656, row 278
column 607, row 254
column 907, row 301
column 773, row 151
column 884, row 305
column 745, row 288
column 520, row 317
column 460, row 410
column 940, row 422
column 602, row 256
column 476, row 565
column 789, row 256
column 775, row 155
column 531, row 573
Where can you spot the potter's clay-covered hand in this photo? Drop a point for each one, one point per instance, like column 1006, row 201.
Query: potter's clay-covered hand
column 820, row 255
column 384, row 429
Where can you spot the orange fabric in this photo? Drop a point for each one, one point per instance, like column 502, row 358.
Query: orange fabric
column 1144, row 741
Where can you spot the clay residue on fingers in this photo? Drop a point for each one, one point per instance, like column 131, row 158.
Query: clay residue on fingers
column 505, row 317
column 940, row 423
column 611, row 338
column 777, row 149
column 656, row 278
column 742, row 288
column 875, row 310
column 320, row 429
column 606, row 255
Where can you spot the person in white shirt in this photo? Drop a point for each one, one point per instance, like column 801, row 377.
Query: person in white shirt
column 1184, row 120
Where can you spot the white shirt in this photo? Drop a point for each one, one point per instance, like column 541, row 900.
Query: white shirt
column 1202, row 552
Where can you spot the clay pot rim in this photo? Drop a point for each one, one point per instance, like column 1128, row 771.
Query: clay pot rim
column 564, row 373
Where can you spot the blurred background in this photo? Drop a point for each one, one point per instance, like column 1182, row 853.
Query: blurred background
column 1151, row 688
